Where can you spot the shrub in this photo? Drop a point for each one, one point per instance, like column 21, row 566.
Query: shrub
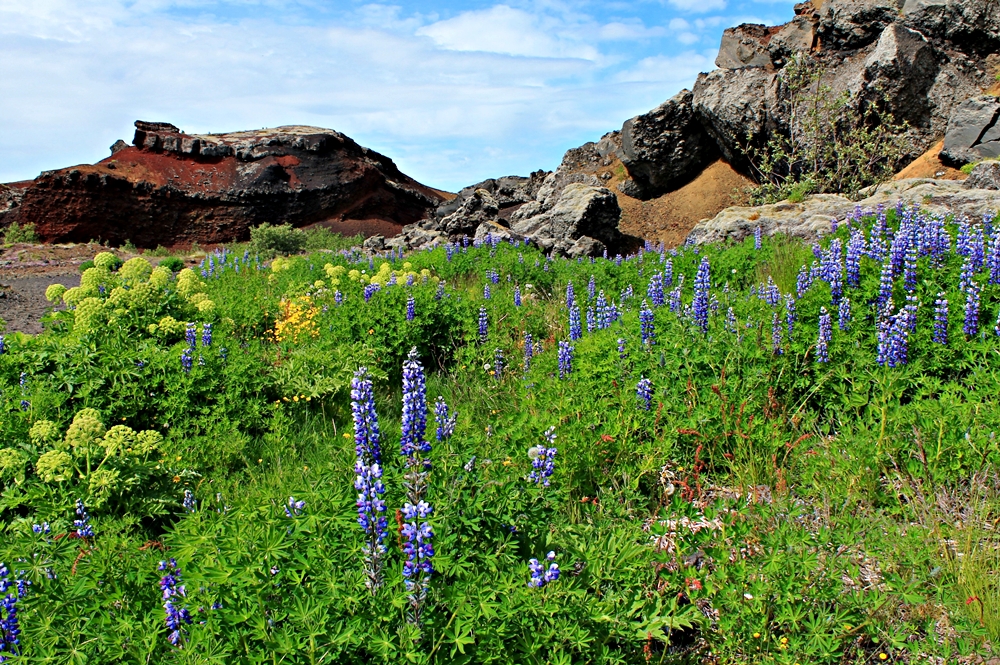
column 15, row 233
column 173, row 264
column 86, row 265
column 834, row 143
column 267, row 240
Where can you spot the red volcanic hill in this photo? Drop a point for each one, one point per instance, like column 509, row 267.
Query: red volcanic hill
column 171, row 188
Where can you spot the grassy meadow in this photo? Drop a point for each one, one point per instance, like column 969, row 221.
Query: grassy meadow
column 759, row 452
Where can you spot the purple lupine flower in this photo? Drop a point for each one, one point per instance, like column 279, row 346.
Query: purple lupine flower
column 770, row 293
column 483, row 329
column 591, row 288
column 700, row 303
column 971, row 325
column 517, row 296
column 993, row 262
column 419, row 550
column 368, row 471
column 294, row 508
column 414, row 425
column 833, row 270
column 855, row 250
column 757, row 238
column 565, row 359
column 940, row 319
column 338, row 297
column 674, row 298
column 591, row 320
column 803, row 281
column 486, row 291
column 570, row 298
column 790, row 316
column 190, row 335
column 844, row 314
column 540, row 576
column 647, row 325
column 575, row 331
column 644, row 393
column 439, row 293
column 82, row 522
column 730, row 320
column 885, row 284
column 411, row 308
column 654, row 292
column 445, row 422
column 2, row 346
column 370, row 290
column 172, row 589
column 626, row 293
column 527, row 351
column 543, row 459
column 206, row 334
column 668, row 270
column 910, row 268
column 603, row 311
column 976, row 254
column 187, row 360
column 622, row 353
column 825, row 332
column 498, row 364
column 776, row 334
column 189, row 503
column 996, row 328
column 10, row 629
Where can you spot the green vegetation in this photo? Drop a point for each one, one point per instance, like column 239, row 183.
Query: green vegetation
column 15, row 233
column 819, row 491
column 172, row 263
column 834, row 143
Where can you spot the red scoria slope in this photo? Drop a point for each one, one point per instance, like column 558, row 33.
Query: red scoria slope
column 172, row 188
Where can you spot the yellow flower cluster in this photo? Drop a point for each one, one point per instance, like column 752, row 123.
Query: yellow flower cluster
column 281, row 263
column 385, row 272
column 297, row 319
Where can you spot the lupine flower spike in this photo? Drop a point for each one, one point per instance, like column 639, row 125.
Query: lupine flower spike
column 644, row 393
column 173, row 592
column 540, row 576
column 368, row 482
column 543, row 459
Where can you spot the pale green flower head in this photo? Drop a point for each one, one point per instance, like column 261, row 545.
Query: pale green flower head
column 147, row 441
column 160, row 277
column 105, row 260
column 11, row 463
column 118, row 439
column 94, row 277
column 54, row 466
column 135, row 270
column 102, row 483
column 55, row 292
column 85, row 431
column 89, row 315
column 43, row 433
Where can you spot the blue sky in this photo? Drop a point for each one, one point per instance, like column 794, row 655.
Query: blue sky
column 454, row 92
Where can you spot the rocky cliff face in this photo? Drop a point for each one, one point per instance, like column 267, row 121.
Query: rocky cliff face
column 170, row 188
column 924, row 57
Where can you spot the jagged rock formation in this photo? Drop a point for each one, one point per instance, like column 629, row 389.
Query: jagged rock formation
column 985, row 175
column 812, row 217
column 174, row 188
column 973, row 131
column 923, row 57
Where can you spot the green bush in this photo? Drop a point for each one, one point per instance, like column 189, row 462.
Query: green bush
column 835, row 143
column 967, row 168
column 268, row 240
column 86, row 265
column 14, row 233
column 172, row 263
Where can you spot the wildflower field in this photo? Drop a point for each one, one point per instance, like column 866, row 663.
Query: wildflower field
column 764, row 452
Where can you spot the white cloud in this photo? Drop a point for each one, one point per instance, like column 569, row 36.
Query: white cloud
column 679, row 24
column 683, row 68
column 510, row 31
column 698, row 5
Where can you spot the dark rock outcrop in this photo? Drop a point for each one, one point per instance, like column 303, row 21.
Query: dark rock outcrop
column 918, row 58
column 175, row 188
column 985, row 175
column 973, row 131
column 663, row 148
column 581, row 221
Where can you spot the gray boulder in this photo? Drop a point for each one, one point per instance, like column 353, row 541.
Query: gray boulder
column 973, row 131
column 580, row 211
column 756, row 45
column 986, row 175
column 812, row 217
column 665, row 147
column 479, row 207
column 972, row 25
column 851, row 24
column 737, row 105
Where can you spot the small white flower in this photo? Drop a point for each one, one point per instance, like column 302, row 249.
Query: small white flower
column 748, row 596
column 486, row 366
column 533, row 452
